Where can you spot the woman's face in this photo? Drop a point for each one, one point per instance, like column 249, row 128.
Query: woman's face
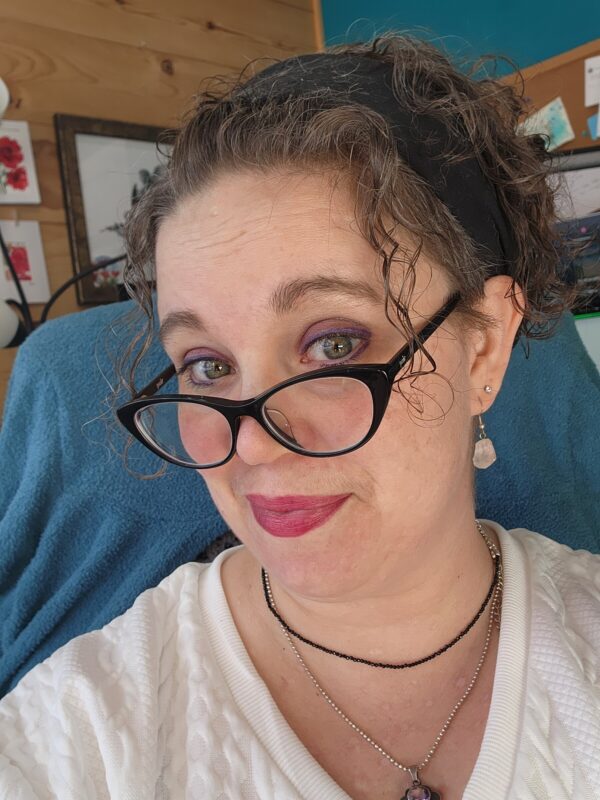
column 283, row 282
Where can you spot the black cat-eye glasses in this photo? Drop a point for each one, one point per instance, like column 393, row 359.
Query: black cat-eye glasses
column 326, row 412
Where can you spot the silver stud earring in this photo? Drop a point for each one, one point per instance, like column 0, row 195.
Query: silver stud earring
column 487, row 389
column 484, row 453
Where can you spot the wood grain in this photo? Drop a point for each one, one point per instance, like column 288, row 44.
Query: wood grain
column 223, row 33
column 131, row 60
column 63, row 73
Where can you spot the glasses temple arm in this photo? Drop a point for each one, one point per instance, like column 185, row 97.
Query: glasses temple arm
column 156, row 383
column 435, row 322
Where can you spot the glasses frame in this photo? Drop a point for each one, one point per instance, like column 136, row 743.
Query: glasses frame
column 379, row 378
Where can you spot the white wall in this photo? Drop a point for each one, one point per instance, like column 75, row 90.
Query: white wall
column 589, row 330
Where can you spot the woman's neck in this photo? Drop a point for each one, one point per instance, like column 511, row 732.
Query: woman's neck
column 409, row 609
column 405, row 709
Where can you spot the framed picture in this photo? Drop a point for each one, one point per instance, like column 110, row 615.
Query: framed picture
column 105, row 167
column 24, row 244
column 18, row 179
column 578, row 205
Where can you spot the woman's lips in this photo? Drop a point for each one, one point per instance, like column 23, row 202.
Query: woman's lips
column 293, row 515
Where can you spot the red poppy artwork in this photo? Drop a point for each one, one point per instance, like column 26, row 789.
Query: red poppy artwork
column 24, row 243
column 20, row 260
column 12, row 171
column 17, row 178
column 18, row 181
column 11, row 154
column 106, row 277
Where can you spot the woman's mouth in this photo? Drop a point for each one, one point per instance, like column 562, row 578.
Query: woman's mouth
column 293, row 515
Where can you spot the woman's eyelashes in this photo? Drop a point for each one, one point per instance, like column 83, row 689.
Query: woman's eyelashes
column 331, row 347
column 338, row 346
column 203, row 371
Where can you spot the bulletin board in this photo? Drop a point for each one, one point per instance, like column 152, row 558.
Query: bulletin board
column 555, row 91
column 563, row 76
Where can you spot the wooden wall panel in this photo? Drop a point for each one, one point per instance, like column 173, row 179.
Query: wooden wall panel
column 135, row 61
column 104, row 79
column 217, row 32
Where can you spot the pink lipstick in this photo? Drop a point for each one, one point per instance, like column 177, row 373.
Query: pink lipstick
column 293, row 515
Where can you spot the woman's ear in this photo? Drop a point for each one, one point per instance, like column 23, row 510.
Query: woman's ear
column 490, row 349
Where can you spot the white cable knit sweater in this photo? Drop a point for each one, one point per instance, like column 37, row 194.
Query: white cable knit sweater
column 164, row 703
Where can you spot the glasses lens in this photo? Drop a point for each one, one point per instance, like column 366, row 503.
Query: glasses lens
column 321, row 415
column 191, row 433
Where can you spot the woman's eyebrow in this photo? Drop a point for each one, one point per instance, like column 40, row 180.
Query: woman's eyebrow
column 284, row 299
column 287, row 295
column 175, row 320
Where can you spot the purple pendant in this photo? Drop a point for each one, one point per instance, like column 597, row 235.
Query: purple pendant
column 417, row 791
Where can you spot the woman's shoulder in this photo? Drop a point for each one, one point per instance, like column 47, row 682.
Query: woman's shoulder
column 565, row 578
column 564, row 566
column 57, row 726
column 560, row 612
column 554, row 555
column 561, row 609
column 558, row 594
column 145, row 628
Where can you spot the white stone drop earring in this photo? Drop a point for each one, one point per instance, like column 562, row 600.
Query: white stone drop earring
column 484, row 453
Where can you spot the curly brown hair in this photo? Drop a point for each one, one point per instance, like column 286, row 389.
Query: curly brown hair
column 225, row 131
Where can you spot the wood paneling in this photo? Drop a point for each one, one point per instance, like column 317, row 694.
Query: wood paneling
column 131, row 60
column 208, row 30
column 132, row 83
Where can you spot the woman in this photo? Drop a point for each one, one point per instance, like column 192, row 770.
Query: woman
column 346, row 248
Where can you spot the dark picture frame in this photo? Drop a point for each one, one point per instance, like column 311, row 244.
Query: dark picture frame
column 76, row 146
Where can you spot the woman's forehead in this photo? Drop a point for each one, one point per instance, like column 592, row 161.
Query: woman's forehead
column 252, row 228
column 246, row 235
column 244, row 211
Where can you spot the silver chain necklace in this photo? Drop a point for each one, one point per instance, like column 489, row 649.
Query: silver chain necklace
column 417, row 790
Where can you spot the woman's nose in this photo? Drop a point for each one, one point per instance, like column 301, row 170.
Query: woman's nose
column 254, row 445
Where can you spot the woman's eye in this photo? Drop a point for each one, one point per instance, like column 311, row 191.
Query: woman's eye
column 204, row 371
column 336, row 347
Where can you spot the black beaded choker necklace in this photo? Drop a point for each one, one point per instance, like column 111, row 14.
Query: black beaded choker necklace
column 271, row 606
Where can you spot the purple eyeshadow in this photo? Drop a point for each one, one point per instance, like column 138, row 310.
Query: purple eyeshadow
column 191, row 359
column 361, row 333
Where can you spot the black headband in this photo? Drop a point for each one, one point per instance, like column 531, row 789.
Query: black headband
column 461, row 186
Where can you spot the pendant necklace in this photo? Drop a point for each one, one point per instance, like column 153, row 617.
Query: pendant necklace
column 418, row 790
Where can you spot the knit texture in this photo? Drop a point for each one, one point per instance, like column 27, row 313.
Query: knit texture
column 164, row 702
